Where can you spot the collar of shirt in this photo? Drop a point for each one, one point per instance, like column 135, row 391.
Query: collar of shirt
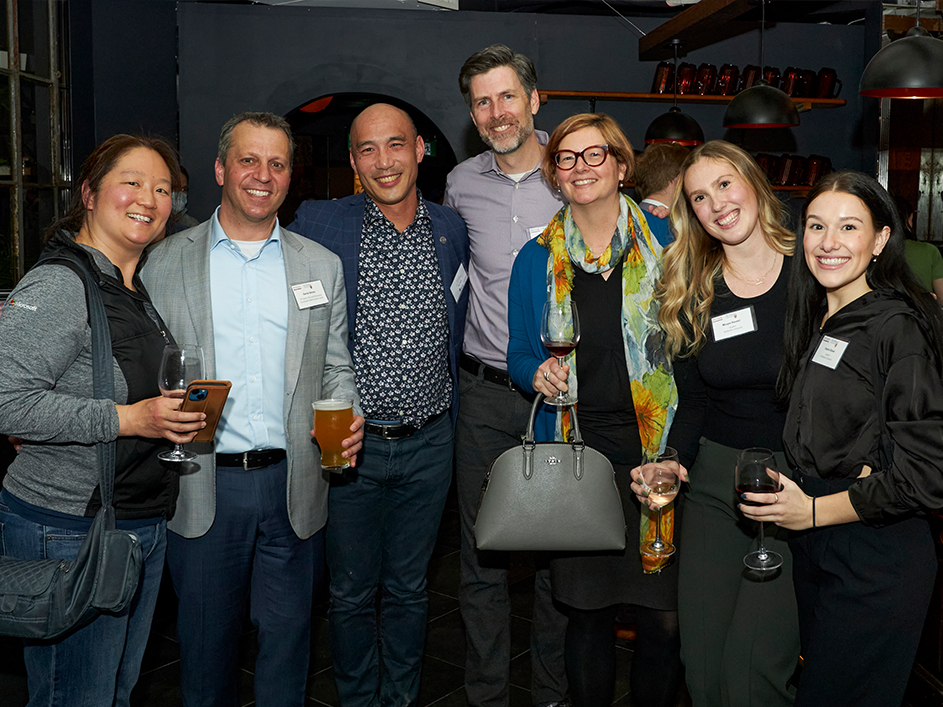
column 491, row 165
column 372, row 213
column 218, row 235
column 653, row 202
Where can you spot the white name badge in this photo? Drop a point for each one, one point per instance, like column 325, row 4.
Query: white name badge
column 731, row 324
column 458, row 282
column 829, row 352
column 309, row 294
column 536, row 231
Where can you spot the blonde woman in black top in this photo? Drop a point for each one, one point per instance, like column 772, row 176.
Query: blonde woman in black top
column 723, row 294
column 864, row 436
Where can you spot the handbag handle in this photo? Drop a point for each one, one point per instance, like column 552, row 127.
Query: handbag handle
column 530, row 444
column 103, row 374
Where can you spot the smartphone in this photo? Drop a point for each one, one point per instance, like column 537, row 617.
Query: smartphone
column 208, row 397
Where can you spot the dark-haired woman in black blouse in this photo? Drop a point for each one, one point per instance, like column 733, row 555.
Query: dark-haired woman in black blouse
column 863, row 363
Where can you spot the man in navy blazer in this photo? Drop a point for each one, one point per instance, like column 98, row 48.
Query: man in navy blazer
column 405, row 267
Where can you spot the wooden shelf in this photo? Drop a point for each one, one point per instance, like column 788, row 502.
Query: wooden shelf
column 802, row 103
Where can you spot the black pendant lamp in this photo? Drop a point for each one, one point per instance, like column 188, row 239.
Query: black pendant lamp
column 911, row 67
column 675, row 126
column 761, row 105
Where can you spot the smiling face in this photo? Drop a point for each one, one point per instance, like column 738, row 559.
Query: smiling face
column 254, row 180
column 501, row 109
column 385, row 152
column 723, row 201
column 839, row 241
column 132, row 204
column 584, row 185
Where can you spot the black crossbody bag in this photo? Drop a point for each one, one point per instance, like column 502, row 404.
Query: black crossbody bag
column 46, row 599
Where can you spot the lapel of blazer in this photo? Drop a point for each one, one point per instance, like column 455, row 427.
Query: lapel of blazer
column 195, row 257
column 297, row 271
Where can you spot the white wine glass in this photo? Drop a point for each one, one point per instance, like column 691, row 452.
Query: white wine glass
column 180, row 365
column 757, row 473
column 660, row 478
column 560, row 333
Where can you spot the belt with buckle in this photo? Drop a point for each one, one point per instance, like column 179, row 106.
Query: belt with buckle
column 489, row 373
column 397, row 430
column 256, row 459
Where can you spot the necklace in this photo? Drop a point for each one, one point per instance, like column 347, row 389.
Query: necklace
column 760, row 280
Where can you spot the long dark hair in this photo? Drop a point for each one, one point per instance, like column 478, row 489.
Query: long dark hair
column 888, row 271
column 98, row 164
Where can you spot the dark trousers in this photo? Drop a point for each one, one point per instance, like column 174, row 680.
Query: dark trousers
column 250, row 552
column 863, row 595
column 491, row 420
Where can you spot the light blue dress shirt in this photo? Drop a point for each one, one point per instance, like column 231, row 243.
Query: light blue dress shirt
column 250, row 321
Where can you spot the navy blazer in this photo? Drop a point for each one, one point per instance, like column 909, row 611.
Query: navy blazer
column 338, row 226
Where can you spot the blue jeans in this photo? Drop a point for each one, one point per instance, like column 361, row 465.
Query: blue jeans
column 382, row 526
column 99, row 664
column 491, row 420
column 252, row 551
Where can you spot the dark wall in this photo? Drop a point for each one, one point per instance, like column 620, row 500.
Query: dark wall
column 236, row 57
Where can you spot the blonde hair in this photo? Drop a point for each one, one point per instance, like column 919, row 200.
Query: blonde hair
column 691, row 264
column 619, row 146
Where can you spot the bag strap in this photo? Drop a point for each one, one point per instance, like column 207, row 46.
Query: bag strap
column 529, row 444
column 103, row 372
column 529, row 434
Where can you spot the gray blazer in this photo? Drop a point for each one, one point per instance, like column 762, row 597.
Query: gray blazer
column 317, row 365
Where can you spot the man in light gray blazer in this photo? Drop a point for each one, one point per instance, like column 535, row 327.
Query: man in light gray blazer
column 268, row 307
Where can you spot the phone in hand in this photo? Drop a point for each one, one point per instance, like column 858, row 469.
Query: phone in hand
column 208, row 397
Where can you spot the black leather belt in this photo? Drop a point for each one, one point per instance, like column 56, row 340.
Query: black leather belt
column 489, row 373
column 397, row 430
column 257, row 459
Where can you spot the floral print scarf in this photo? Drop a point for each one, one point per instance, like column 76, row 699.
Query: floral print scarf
column 654, row 393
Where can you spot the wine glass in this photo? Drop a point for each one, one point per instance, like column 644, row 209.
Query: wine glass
column 660, row 478
column 180, row 365
column 757, row 473
column 560, row 333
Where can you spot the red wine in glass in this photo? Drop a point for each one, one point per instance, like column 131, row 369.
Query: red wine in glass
column 560, row 333
column 757, row 473
column 750, row 487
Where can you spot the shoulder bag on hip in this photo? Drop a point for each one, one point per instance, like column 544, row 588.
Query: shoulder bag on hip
column 559, row 496
column 46, row 599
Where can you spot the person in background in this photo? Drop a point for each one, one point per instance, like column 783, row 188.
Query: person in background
column 657, row 174
column 723, row 300
column 599, row 253
column 50, row 493
column 252, row 511
column 864, row 356
column 924, row 258
column 405, row 265
column 505, row 202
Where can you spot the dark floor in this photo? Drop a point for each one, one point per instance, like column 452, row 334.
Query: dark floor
column 442, row 670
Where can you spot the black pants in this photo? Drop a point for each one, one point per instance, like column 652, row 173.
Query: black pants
column 863, row 595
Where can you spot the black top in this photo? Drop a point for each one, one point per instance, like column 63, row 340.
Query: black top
column 734, row 380
column 831, row 428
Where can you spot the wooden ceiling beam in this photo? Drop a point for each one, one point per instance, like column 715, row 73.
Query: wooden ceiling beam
column 697, row 26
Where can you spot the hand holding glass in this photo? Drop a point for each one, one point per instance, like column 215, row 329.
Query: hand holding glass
column 660, row 478
column 180, row 365
column 560, row 333
column 332, row 421
column 757, row 473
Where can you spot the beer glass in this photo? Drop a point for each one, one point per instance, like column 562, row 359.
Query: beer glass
column 332, row 420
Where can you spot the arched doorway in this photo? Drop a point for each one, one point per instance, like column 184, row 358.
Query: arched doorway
column 322, row 165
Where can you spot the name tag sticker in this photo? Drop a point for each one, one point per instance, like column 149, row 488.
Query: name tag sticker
column 731, row 324
column 829, row 352
column 458, row 282
column 309, row 294
column 536, row 231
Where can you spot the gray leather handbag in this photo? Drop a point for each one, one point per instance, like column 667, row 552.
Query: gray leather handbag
column 555, row 496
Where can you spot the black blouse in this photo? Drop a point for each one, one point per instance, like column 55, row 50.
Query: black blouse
column 831, row 427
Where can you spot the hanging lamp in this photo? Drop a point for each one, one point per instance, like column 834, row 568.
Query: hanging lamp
column 761, row 105
column 911, row 67
column 675, row 126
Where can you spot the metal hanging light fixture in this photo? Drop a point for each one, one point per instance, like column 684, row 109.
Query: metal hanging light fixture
column 675, row 126
column 761, row 105
column 911, row 67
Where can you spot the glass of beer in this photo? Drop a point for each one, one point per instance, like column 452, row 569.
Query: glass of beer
column 332, row 420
